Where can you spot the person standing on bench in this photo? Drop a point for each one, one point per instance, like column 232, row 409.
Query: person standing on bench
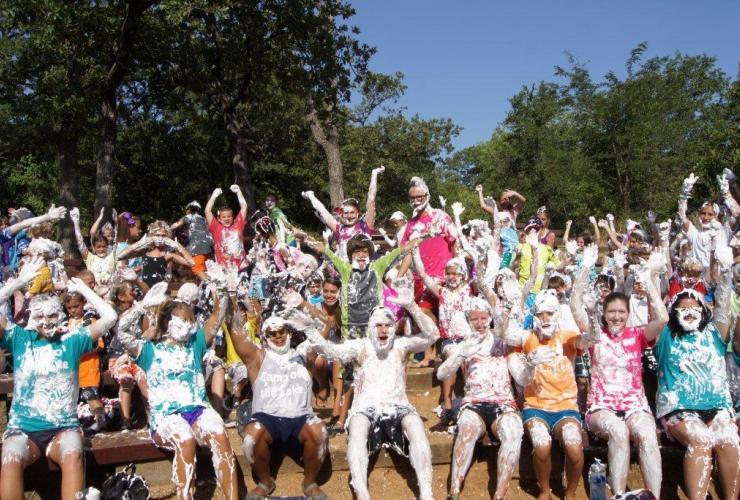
column 180, row 417
column 43, row 416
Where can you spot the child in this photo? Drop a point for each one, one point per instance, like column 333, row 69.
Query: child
column 100, row 262
column 200, row 242
column 43, row 417
column 227, row 230
column 179, row 413
column 89, row 372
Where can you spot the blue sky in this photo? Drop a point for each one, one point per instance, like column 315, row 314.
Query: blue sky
column 465, row 59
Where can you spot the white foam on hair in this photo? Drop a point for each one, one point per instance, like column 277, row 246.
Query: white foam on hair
column 16, row 449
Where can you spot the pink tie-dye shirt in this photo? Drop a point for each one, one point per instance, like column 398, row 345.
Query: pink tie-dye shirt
column 616, row 371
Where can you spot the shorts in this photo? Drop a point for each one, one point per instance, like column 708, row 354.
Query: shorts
column 489, row 412
column 284, row 431
column 424, row 298
column 211, row 364
column 622, row 414
column 706, row 416
column 89, row 371
column 40, row 438
column 89, row 393
column 200, row 264
column 123, row 368
column 190, row 416
column 550, row 418
column 386, row 430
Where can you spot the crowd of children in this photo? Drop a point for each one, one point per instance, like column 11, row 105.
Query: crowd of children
column 630, row 342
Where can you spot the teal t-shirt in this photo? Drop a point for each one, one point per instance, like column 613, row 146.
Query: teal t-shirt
column 691, row 371
column 45, row 378
column 174, row 376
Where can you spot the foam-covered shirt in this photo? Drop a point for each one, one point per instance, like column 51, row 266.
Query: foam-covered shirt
column 174, row 376
column 227, row 242
column 487, row 378
column 616, row 371
column 45, row 377
column 438, row 249
column 452, row 321
column 691, row 371
column 553, row 386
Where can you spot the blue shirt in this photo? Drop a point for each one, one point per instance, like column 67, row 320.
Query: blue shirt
column 45, row 378
column 174, row 376
column 691, row 371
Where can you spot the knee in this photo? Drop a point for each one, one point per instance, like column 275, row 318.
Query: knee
column 539, row 434
column 571, row 435
column 618, row 434
column 510, row 430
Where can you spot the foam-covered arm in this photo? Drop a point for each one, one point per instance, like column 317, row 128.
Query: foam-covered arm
column 126, row 327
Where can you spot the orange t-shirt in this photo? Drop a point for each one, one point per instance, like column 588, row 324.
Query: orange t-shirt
column 553, row 387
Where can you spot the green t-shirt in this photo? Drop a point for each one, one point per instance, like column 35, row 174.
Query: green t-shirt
column 174, row 376
column 45, row 378
column 361, row 290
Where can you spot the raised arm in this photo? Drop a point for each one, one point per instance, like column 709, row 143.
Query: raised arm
column 209, row 205
column 179, row 253
column 723, row 292
column 213, row 323
column 74, row 214
column 136, row 249
column 248, row 351
column 597, row 233
column 326, row 217
column 534, row 245
column 566, row 234
column 371, row 193
column 724, row 188
column 242, row 201
column 428, row 331
column 658, row 311
column 482, row 201
column 26, row 275
column 590, row 254
column 106, row 312
column 125, row 331
column 96, row 224
column 54, row 214
column 431, row 285
column 686, row 188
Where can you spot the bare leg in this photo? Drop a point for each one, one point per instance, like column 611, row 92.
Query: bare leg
column 697, row 462
column 315, row 442
column 643, row 432
column 539, row 434
column 568, row 432
column 66, row 451
column 210, row 432
column 125, row 390
column 508, row 429
column 612, row 429
column 470, row 428
column 420, row 454
column 338, row 384
column 447, row 386
column 18, row 453
column 256, row 446
column 174, row 433
column 319, row 373
column 727, row 448
column 357, row 456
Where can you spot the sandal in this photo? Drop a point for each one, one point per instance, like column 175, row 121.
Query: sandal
column 257, row 496
column 320, row 496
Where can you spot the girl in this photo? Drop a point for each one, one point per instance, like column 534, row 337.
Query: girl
column 129, row 232
column 159, row 250
column 100, row 261
column 180, row 417
column 43, row 417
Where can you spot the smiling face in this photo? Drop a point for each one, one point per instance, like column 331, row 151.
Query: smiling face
column 707, row 214
column 350, row 214
column 100, row 247
column 689, row 313
column 418, row 198
column 330, row 293
column 75, row 307
column 360, row 258
column 616, row 314
column 226, row 217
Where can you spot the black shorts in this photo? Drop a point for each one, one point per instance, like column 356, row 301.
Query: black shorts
column 40, row 438
column 386, row 430
column 284, row 431
column 489, row 412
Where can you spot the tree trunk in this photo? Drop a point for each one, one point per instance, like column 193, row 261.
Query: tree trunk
column 241, row 158
column 327, row 137
column 105, row 167
column 68, row 187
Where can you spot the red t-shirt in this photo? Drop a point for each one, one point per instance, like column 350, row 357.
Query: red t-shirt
column 228, row 243
column 437, row 250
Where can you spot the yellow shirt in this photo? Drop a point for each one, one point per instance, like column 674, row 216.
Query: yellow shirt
column 546, row 255
column 553, row 387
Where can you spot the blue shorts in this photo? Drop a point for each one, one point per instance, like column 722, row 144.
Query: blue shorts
column 551, row 418
column 284, row 431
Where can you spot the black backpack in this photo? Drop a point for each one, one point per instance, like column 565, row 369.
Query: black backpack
column 125, row 485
